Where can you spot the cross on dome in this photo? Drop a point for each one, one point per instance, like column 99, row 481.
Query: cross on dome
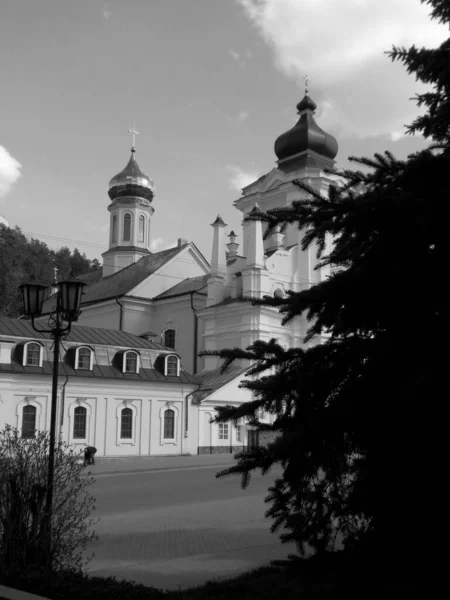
column 307, row 80
column 134, row 132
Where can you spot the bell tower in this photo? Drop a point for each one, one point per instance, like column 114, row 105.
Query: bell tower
column 131, row 193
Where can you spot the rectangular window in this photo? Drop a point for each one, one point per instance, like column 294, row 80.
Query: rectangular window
column 79, row 422
column 126, row 424
column 28, row 421
column 33, row 355
column 223, row 431
column 169, row 424
column 238, row 433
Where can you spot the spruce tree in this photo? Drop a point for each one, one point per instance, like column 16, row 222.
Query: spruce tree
column 356, row 417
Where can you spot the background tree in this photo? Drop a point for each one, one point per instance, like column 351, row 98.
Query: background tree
column 23, row 488
column 355, row 427
column 21, row 258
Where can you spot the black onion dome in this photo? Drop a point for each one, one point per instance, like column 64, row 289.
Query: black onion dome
column 306, row 135
column 131, row 182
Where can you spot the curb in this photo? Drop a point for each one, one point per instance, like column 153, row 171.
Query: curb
column 156, row 470
column 7, row 593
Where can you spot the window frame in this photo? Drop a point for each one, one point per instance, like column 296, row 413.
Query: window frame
column 141, row 230
column 25, row 362
column 172, row 437
column 223, row 428
column 77, row 358
column 74, row 403
column 28, row 400
column 238, row 435
column 175, row 408
column 129, row 417
column 170, row 330
column 135, row 416
column 114, row 230
column 74, row 424
column 166, row 365
column 124, row 361
column 128, row 239
column 28, row 437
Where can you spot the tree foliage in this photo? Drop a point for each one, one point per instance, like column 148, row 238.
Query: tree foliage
column 355, row 414
column 21, row 258
column 23, row 489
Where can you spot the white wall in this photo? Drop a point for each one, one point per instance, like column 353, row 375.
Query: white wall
column 102, row 398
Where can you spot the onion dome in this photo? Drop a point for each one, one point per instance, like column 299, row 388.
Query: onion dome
column 131, row 182
column 306, row 135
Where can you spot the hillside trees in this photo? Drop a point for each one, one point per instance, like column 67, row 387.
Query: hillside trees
column 21, row 258
column 357, row 415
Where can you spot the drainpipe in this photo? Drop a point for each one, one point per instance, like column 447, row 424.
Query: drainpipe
column 195, row 329
column 186, row 425
column 121, row 313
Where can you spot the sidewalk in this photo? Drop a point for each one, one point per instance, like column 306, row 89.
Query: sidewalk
column 137, row 464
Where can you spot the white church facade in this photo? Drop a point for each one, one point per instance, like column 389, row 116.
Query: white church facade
column 177, row 299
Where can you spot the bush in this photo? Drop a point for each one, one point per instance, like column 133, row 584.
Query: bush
column 24, row 539
column 74, row 585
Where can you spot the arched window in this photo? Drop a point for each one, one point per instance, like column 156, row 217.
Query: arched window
column 127, row 228
column 126, row 423
column 79, row 422
column 169, row 338
column 169, row 424
column 32, row 354
column 114, row 230
column 83, row 359
column 130, row 362
column 141, row 228
column 172, row 366
column 28, row 421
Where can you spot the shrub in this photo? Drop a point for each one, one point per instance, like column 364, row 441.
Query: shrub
column 24, row 539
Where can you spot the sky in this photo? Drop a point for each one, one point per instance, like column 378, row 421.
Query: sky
column 209, row 84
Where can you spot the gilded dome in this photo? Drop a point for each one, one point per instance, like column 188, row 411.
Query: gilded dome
column 131, row 182
column 306, row 135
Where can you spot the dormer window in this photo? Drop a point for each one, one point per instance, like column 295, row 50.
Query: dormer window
column 32, row 355
column 84, row 358
column 172, row 366
column 130, row 362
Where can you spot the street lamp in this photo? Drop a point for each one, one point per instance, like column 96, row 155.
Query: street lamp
column 68, row 300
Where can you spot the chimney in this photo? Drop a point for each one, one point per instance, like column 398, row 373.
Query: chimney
column 255, row 249
column 218, row 256
column 182, row 242
column 232, row 246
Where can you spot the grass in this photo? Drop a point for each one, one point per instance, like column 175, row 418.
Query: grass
column 326, row 578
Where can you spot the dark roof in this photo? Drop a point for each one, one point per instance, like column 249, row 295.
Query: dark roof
column 213, row 380
column 98, row 371
column 80, row 334
column 126, row 279
column 188, row 286
column 91, row 277
column 127, row 248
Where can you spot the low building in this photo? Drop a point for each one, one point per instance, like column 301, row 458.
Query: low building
column 124, row 394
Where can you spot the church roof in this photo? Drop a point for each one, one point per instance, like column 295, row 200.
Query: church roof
column 212, row 380
column 122, row 282
column 188, row 286
column 80, row 334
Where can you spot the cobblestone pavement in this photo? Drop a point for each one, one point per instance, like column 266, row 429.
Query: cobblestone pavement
column 168, row 546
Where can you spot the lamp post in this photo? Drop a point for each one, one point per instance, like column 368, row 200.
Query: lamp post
column 67, row 309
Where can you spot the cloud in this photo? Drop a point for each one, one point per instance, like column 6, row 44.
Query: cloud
column 106, row 12
column 238, row 178
column 9, row 171
column 341, row 45
column 242, row 116
column 160, row 243
column 241, row 58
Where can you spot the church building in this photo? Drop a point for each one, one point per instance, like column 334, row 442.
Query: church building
column 177, row 299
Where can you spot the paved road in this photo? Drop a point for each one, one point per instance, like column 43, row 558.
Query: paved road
column 179, row 528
